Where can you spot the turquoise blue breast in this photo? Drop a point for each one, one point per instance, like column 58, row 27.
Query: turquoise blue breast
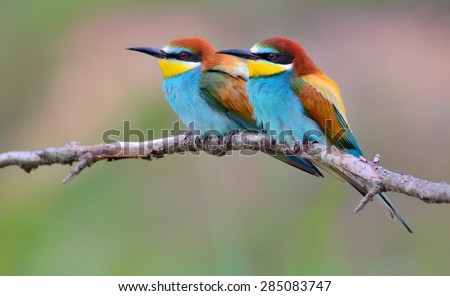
column 186, row 99
column 276, row 105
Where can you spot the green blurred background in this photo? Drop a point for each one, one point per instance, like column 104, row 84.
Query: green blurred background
column 65, row 76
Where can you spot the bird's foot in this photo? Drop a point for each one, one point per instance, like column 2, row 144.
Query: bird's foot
column 297, row 148
column 189, row 133
column 228, row 139
column 212, row 143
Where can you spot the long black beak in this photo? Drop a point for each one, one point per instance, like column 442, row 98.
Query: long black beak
column 242, row 53
column 155, row 52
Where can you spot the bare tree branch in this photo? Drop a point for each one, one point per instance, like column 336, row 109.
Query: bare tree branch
column 367, row 172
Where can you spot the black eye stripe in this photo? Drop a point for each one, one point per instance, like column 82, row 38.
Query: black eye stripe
column 283, row 59
column 189, row 58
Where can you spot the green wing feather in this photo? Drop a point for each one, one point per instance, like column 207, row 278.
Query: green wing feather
column 226, row 92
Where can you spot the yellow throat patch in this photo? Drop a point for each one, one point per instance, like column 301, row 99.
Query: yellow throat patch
column 171, row 68
column 264, row 68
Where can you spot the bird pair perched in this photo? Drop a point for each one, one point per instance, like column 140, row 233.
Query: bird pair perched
column 273, row 86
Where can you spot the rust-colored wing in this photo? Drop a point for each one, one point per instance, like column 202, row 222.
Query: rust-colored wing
column 224, row 85
column 322, row 101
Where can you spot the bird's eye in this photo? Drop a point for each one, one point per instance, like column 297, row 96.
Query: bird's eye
column 272, row 56
column 183, row 55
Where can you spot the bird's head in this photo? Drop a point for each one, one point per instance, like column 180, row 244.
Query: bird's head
column 179, row 56
column 273, row 56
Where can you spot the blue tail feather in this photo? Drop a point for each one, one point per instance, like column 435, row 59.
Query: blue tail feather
column 299, row 163
column 383, row 198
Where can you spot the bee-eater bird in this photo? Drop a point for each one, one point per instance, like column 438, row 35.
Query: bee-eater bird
column 291, row 94
column 207, row 90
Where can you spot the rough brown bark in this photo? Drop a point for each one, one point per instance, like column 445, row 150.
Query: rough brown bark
column 368, row 172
